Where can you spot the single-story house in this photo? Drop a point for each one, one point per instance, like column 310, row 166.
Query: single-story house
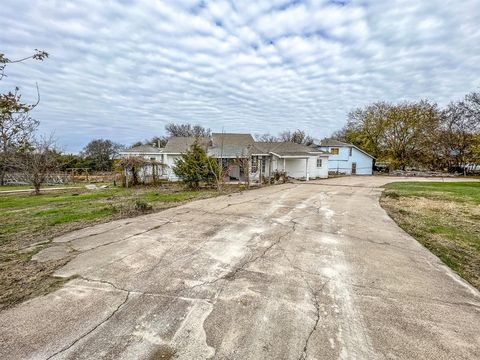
column 238, row 152
column 346, row 158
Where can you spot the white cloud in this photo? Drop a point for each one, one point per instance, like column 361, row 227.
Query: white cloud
column 122, row 69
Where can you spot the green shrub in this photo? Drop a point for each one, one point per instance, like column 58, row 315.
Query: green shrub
column 143, row 206
column 196, row 167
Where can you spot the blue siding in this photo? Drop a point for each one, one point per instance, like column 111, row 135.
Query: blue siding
column 346, row 157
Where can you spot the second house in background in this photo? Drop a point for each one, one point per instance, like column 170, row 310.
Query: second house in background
column 346, row 158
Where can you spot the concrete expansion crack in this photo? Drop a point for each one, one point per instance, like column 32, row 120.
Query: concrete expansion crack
column 169, row 221
column 106, row 282
column 258, row 196
column 316, row 304
column 92, row 329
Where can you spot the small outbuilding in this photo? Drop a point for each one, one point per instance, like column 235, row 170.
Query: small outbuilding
column 346, row 158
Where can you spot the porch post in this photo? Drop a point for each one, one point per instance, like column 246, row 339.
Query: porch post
column 306, row 169
column 261, row 160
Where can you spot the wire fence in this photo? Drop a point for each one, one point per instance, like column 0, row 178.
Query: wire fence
column 63, row 178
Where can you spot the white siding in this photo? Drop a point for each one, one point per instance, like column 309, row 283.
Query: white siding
column 170, row 162
column 321, row 172
column 147, row 171
column 298, row 169
column 255, row 176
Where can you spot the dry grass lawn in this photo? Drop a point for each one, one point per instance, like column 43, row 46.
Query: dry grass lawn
column 444, row 217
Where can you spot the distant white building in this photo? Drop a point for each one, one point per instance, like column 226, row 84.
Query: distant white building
column 346, row 158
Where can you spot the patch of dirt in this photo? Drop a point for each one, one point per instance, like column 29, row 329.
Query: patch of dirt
column 164, row 352
column 22, row 279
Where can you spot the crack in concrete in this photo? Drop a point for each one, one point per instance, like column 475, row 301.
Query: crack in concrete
column 158, row 262
column 258, row 196
column 92, row 329
column 167, row 222
column 97, row 233
column 316, row 304
column 231, row 275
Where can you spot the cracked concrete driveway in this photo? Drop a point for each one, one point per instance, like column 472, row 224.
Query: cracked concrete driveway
column 296, row 271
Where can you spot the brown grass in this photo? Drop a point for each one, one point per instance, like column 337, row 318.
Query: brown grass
column 448, row 228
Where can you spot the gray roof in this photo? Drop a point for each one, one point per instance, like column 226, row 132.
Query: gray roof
column 228, row 150
column 219, row 139
column 178, row 145
column 231, row 145
column 142, row 149
column 333, row 142
column 285, row 148
column 337, row 143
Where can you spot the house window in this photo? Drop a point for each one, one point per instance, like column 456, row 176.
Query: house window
column 319, row 162
column 349, row 151
column 153, row 159
column 334, row 151
column 225, row 164
column 254, row 168
column 264, row 162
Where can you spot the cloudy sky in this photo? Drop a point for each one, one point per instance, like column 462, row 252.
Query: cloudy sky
column 123, row 69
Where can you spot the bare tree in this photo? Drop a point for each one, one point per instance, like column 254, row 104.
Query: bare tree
column 266, row 137
column 472, row 105
column 297, row 136
column 460, row 126
column 158, row 141
column 223, row 165
column 186, row 130
column 16, row 126
column 38, row 162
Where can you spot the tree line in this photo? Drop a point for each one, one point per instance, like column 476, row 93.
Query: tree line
column 418, row 134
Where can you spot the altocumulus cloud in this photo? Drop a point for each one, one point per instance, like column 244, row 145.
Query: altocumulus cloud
column 122, row 69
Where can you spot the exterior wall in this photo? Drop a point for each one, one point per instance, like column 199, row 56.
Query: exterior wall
column 170, row 164
column 155, row 156
column 297, row 168
column 320, row 172
column 147, row 171
column 343, row 161
column 364, row 162
column 255, row 176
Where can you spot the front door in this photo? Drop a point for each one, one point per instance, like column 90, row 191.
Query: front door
column 354, row 168
column 234, row 172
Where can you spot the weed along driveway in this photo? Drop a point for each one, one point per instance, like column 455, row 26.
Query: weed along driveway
column 297, row 271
